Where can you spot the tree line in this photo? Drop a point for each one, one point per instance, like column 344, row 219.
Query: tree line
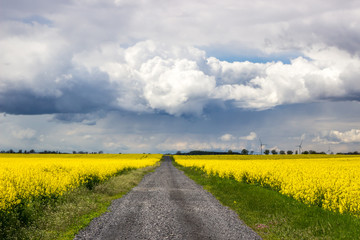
column 266, row 152
column 32, row 151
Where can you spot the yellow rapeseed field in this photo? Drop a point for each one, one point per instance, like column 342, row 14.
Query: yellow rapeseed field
column 28, row 177
column 331, row 182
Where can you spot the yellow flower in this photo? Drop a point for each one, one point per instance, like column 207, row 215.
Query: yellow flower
column 32, row 176
column 332, row 182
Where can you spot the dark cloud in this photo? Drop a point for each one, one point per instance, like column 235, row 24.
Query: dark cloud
column 86, row 92
column 181, row 81
column 21, row 101
column 87, row 119
column 178, row 75
column 284, row 54
column 280, row 127
column 80, row 92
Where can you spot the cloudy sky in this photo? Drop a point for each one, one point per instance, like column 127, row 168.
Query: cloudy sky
column 165, row 75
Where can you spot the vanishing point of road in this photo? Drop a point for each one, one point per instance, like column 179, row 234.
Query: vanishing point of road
column 167, row 205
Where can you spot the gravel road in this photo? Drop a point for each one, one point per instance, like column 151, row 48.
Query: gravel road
column 167, row 205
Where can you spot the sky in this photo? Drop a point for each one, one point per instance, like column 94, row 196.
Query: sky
column 124, row 76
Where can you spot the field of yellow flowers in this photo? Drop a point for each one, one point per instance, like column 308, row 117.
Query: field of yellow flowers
column 30, row 177
column 329, row 181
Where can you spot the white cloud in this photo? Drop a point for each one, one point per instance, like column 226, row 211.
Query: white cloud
column 176, row 146
column 22, row 134
column 58, row 67
column 250, row 137
column 88, row 137
column 32, row 57
column 227, row 137
column 181, row 88
column 337, row 137
column 132, row 132
column 154, row 76
column 151, row 76
column 277, row 25
column 41, row 138
column 181, row 80
column 187, row 144
column 303, row 80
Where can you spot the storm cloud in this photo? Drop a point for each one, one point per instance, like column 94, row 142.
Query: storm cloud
column 78, row 61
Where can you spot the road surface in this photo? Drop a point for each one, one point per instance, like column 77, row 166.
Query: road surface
column 167, row 205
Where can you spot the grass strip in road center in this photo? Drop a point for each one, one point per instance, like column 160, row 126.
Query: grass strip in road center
column 275, row 216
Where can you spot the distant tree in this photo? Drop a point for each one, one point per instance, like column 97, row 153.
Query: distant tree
column 244, row 152
column 32, row 151
column 282, row 152
column 289, row 152
column 230, row 151
column 274, row 152
column 312, row 152
column 305, row 152
column 251, row 152
column 74, row 152
column 296, row 152
column 267, row 151
column 20, row 151
column 101, row 152
column 178, row 153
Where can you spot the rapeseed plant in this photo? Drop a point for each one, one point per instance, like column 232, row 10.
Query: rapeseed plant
column 330, row 182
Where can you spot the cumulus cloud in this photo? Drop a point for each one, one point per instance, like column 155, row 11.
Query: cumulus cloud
column 250, row 137
column 180, row 80
column 337, row 137
column 319, row 76
column 150, row 76
column 49, row 65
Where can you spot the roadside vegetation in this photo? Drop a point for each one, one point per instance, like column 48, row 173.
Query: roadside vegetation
column 273, row 215
column 63, row 217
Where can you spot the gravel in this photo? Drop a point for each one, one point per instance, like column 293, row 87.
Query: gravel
column 167, row 205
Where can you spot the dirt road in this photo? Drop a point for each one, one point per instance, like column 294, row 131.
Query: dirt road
column 167, row 205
